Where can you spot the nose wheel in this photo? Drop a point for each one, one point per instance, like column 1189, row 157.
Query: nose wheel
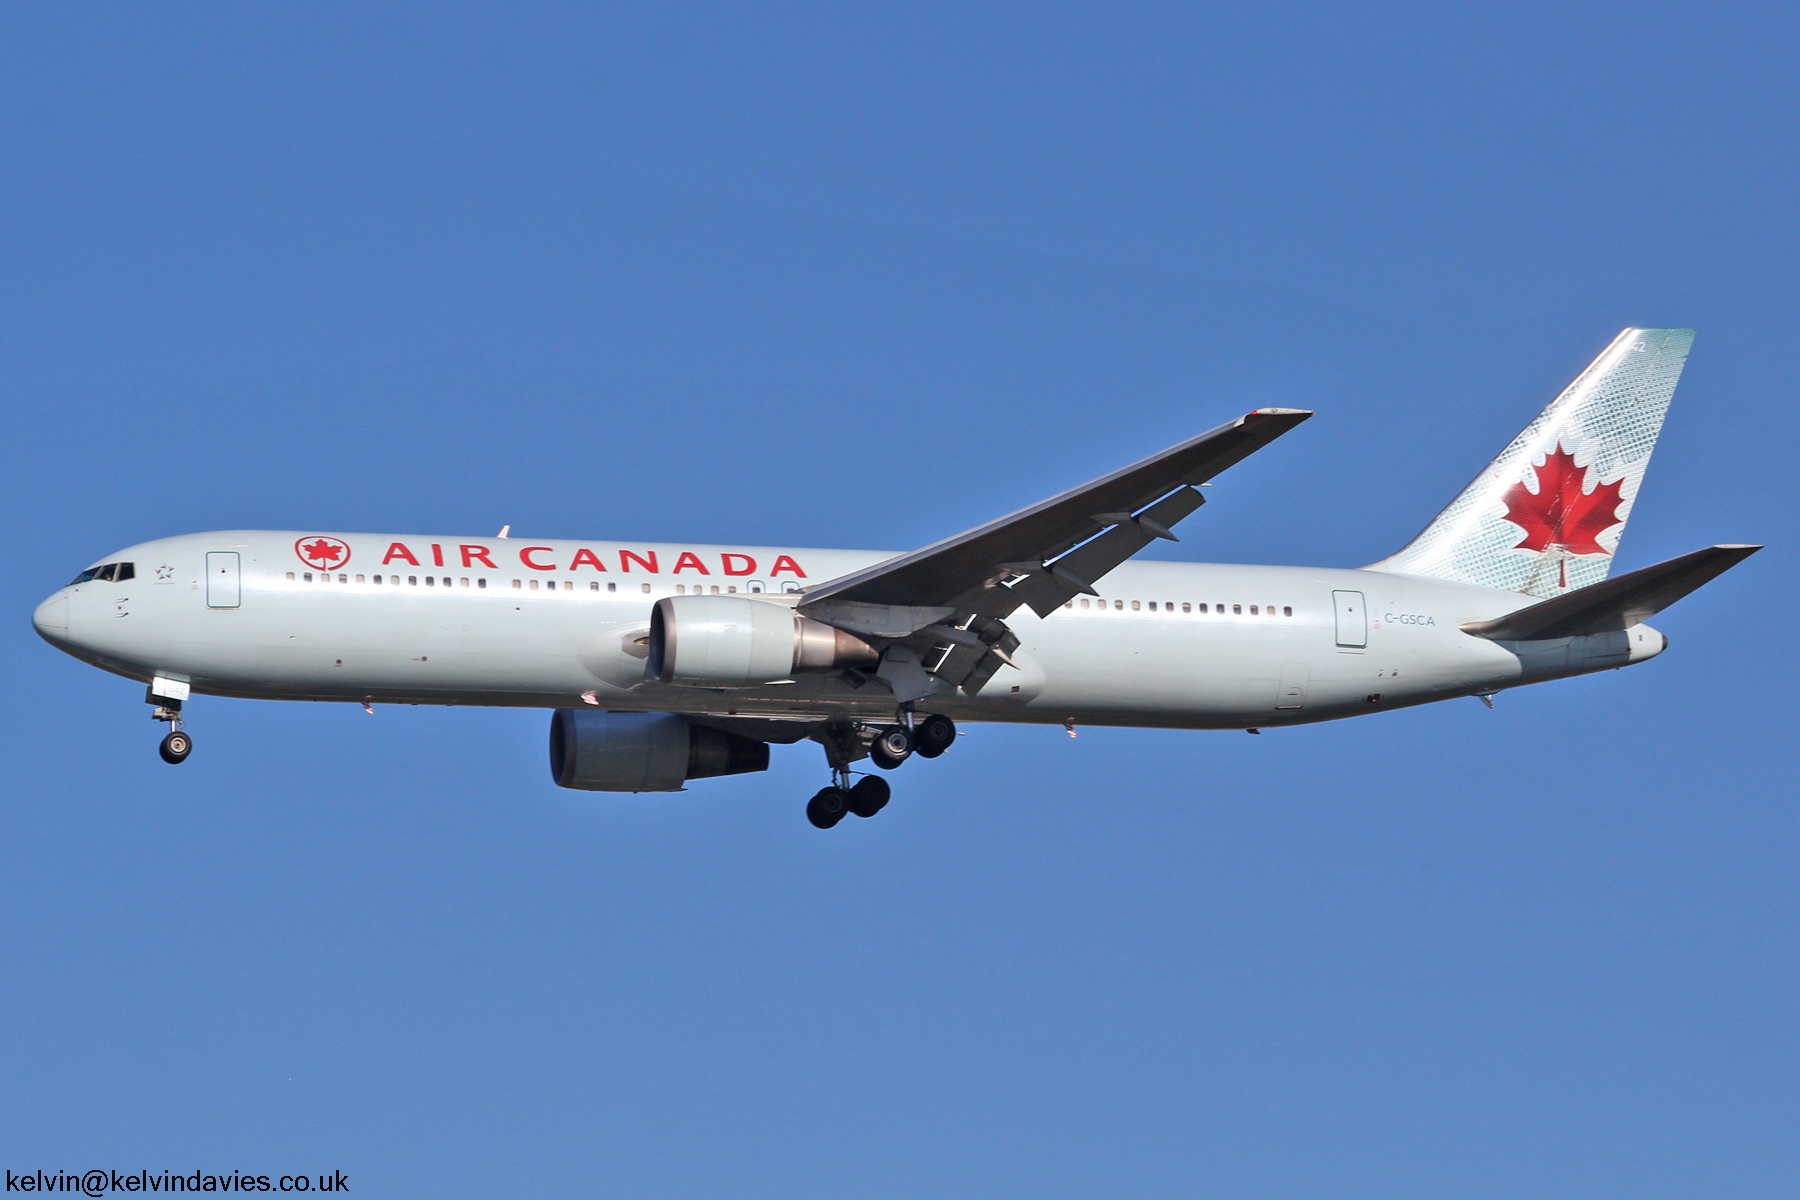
column 176, row 744
column 175, row 747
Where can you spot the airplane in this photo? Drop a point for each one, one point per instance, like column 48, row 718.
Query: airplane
column 665, row 663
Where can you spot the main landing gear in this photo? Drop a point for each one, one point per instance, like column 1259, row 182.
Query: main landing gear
column 176, row 744
column 887, row 747
column 867, row 797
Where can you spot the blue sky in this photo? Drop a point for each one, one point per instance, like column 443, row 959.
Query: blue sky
column 866, row 277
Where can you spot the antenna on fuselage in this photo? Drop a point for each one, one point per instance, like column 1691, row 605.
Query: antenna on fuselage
column 504, row 530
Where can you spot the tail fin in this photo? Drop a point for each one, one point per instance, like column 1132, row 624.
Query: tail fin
column 1546, row 516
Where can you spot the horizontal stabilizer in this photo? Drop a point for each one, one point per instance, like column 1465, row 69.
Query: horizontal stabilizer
column 1613, row 604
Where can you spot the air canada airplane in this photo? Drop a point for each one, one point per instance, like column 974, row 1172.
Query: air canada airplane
column 671, row 662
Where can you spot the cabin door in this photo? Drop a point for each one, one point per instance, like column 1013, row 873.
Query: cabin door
column 222, row 587
column 1352, row 621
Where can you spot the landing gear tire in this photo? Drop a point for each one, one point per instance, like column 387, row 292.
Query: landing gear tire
column 175, row 747
column 828, row 807
column 869, row 796
column 891, row 747
column 934, row 735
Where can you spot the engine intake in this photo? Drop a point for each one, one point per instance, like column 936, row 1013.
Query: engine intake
column 731, row 641
column 644, row 752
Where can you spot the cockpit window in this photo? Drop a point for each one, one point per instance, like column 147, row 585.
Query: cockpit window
column 107, row 573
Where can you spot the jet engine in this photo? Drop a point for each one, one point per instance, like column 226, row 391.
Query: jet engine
column 733, row 641
column 644, row 752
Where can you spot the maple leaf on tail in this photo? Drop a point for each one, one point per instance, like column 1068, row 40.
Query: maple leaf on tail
column 322, row 551
column 1561, row 514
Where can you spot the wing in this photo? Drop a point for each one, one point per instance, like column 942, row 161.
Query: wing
column 959, row 590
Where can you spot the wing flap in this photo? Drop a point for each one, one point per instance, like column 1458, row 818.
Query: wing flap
column 1046, row 589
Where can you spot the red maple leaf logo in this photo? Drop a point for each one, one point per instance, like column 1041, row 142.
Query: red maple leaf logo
column 322, row 551
column 1561, row 514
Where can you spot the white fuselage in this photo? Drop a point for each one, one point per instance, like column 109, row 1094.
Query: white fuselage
column 559, row 624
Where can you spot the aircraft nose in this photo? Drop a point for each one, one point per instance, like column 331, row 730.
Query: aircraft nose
column 52, row 619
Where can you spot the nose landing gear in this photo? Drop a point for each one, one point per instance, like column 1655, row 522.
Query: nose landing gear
column 176, row 744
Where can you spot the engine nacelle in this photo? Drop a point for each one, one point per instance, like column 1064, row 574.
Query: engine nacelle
column 734, row 641
column 644, row 752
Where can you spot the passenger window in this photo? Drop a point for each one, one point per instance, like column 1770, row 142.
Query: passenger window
column 376, row 580
column 730, row 587
column 1134, row 606
column 1068, row 604
column 715, row 588
column 1153, row 606
column 534, row 585
column 647, row 589
column 463, row 583
column 1118, row 606
column 515, row 585
column 1253, row 610
column 430, row 581
column 1187, row 606
column 790, row 586
column 612, row 587
column 307, row 576
column 359, row 579
column 290, row 577
column 1286, row 611
column 754, row 586
column 482, row 582
column 412, row 581
column 594, row 586
column 1237, row 610
column 343, row 579
column 681, row 589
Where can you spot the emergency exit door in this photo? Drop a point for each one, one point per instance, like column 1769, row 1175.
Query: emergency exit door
column 1352, row 621
column 222, row 587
